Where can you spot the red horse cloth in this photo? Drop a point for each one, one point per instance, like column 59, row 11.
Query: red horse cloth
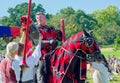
column 68, row 63
column 61, row 59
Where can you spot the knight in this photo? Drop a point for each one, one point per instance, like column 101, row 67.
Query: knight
column 51, row 36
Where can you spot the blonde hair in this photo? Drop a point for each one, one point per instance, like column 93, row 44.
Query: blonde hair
column 10, row 49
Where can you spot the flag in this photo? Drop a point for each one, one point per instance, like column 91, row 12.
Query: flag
column 9, row 31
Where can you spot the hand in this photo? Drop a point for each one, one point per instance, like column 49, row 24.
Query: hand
column 24, row 25
column 22, row 39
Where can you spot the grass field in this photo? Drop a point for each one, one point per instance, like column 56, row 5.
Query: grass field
column 116, row 78
column 110, row 51
column 106, row 52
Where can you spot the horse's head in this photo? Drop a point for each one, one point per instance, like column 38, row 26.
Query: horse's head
column 88, row 41
column 83, row 43
column 89, row 45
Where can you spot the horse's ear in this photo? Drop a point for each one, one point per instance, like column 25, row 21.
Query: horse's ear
column 91, row 31
column 85, row 32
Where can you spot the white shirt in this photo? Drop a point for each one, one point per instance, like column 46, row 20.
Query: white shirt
column 100, row 74
column 1, row 58
column 31, row 61
column 0, row 77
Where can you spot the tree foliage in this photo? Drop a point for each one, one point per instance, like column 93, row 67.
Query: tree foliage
column 74, row 20
column 117, row 43
column 107, row 34
column 14, row 17
column 109, row 15
column 21, row 9
column 104, row 22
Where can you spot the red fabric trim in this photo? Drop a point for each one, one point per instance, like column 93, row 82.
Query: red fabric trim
column 15, row 31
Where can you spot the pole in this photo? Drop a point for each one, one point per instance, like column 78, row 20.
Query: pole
column 23, row 62
column 27, row 30
column 62, row 28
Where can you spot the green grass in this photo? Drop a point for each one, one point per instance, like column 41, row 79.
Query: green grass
column 111, row 52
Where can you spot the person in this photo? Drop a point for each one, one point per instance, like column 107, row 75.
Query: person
column 0, row 77
column 27, row 76
column 51, row 36
column 7, row 73
column 10, row 66
column 100, row 74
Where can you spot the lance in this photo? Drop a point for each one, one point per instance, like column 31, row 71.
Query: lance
column 23, row 62
column 62, row 28
column 26, row 38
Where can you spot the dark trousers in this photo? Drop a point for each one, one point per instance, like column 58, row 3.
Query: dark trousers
column 42, row 71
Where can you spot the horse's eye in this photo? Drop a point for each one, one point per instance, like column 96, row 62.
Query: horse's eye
column 89, row 42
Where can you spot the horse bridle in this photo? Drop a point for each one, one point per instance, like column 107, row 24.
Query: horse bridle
column 88, row 41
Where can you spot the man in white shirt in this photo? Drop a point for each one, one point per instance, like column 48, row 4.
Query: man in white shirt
column 0, row 77
column 28, row 75
column 100, row 74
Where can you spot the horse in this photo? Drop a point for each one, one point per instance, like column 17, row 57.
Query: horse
column 67, row 63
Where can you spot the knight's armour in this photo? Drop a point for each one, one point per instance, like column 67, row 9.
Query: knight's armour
column 50, row 37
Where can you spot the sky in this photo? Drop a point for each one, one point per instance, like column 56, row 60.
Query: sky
column 54, row 6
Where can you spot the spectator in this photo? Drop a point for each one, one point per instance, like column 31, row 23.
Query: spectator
column 100, row 74
column 27, row 76
column 10, row 67
column 7, row 73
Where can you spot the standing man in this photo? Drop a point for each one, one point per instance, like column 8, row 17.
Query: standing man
column 51, row 36
column 100, row 74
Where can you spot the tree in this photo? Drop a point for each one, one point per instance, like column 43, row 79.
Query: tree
column 21, row 9
column 14, row 17
column 109, row 15
column 74, row 20
column 117, row 43
column 107, row 34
